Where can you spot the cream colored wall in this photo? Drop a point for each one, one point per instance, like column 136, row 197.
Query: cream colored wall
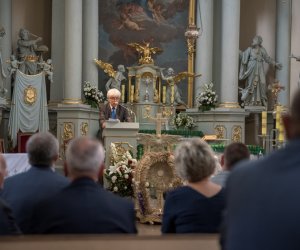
column 295, row 45
column 259, row 17
column 34, row 15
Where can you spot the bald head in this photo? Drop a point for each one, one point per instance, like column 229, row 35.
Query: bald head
column 84, row 156
column 3, row 171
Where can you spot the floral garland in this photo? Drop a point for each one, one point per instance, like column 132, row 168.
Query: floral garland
column 92, row 95
column 208, row 98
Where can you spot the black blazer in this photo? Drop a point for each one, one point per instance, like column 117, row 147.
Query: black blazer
column 84, row 207
column 8, row 225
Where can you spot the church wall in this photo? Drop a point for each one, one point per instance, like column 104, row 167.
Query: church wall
column 295, row 46
column 35, row 16
column 258, row 17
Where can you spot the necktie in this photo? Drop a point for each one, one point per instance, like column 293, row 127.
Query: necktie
column 113, row 113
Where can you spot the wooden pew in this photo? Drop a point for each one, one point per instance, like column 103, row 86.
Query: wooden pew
column 111, row 242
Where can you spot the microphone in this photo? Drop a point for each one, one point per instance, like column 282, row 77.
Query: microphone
column 129, row 111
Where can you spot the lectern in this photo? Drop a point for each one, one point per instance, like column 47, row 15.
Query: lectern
column 125, row 132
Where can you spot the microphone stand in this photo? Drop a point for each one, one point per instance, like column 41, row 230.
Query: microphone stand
column 129, row 111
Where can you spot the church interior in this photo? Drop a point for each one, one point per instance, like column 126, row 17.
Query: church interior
column 221, row 70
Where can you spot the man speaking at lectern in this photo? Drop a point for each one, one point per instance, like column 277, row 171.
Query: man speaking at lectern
column 113, row 110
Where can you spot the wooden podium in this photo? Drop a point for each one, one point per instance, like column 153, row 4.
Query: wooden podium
column 125, row 132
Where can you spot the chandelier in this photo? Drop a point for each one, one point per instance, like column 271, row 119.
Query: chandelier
column 191, row 34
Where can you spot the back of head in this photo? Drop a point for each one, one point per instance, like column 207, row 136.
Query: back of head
column 194, row 160
column 84, row 155
column 42, row 149
column 234, row 153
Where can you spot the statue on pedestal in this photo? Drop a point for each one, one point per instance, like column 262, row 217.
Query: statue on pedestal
column 27, row 52
column 173, row 95
column 252, row 70
column 116, row 77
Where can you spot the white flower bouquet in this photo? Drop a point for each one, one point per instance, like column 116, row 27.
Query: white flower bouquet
column 92, row 95
column 120, row 177
column 208, row 98
column 182, row 120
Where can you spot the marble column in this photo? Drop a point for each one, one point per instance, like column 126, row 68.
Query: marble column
column 229, row 53
column 204, row 45
column 73, row 52
column 283, row 47
column 57, row 52
column 6, row 41
column 90, row 41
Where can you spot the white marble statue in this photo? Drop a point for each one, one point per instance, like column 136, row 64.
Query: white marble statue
column 252, row 70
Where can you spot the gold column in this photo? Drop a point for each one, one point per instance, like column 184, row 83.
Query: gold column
column 191, row 56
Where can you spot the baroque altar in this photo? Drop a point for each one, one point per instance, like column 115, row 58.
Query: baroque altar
column 155, row 174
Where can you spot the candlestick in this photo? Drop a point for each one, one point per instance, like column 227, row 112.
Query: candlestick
column 123, row 93
column 264, row 123
column 164, row 94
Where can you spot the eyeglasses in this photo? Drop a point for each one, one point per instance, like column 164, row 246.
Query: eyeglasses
column 114, row 98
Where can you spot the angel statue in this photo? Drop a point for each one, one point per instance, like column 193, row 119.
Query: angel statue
column 173, row 95
column 116, row 77
column 145, row 52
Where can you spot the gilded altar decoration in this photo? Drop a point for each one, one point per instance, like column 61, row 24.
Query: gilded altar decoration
column 220, row 131
column 236, row 134
column 191, row 34
column 147, row 111
column 30, row 95
column 276, row 88
column 68, row 133
column 154, row 175
column 145, row 52
column 84, row 128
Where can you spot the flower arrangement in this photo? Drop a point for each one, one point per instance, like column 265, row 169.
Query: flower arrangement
column 92, row 95
column 207, row 99
column 120, row 177
column 182, row 120
column 120, row 174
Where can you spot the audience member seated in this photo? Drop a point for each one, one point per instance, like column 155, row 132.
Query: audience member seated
column 262, row 205
column 196, row 207
column 233, row 153
column 84, row 207
column 8, row 225
column 25, row 190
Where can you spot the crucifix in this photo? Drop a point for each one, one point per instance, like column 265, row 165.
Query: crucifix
column 159, row 120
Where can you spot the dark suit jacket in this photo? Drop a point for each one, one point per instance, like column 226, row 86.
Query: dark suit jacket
column 85, row 208
column 8, row 225
column 263, row 202
column 24, row 191
column 105, row 114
